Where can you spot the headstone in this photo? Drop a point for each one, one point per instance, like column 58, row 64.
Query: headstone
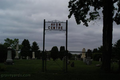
column 84, row 60
column 27, row 57
column 17, row 48
column 88, row 61
column 83, row 53
column 99, row 59
column 75, row 58
column 9, row 56
column 33, row 55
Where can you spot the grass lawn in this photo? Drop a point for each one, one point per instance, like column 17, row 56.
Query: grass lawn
column 32, row 70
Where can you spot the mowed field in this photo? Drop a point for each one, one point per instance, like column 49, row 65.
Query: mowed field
column 32, row 70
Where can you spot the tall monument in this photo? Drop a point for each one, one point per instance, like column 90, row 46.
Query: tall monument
column 83, row 53
column 83, row 56
column 17, row 49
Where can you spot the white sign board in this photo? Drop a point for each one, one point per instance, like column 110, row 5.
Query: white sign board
column 61, row 26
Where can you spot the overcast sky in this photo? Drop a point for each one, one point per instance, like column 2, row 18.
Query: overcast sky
column 23, row 19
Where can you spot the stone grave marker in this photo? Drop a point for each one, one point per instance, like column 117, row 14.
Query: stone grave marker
column 33, row 55
column 9, row 56
column 88, row 61
column 99, row 59
column 84, row 60
column 27, row 57
column 83, row 56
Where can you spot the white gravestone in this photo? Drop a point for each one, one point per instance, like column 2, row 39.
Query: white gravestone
column 9, row 56
column 83, row 56
column 17, row 48
column 83, row 53
column 33, row 55
column 27, row 57
column 84, row 60
column 75, row 58
column 99, row 59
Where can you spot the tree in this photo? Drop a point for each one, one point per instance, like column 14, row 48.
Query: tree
column 25, row 51
column 11, row 42
column 116, row 50
column 95, row 50
column 3, row 53
column 62, row 52
column 89, row 53
column 35, row 48
column 81, row 9
column 54, row 53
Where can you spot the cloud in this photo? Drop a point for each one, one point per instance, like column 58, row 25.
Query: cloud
column 23, row 19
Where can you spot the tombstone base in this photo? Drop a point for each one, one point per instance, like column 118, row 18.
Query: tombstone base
column 9, row 61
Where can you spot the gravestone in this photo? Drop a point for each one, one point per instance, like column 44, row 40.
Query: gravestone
column 27, row 58
column 99, row 59
column 75, row 58
column 9, row 56
column 83, row 53
column 88, row 61
column 84, row 60
column 17, row 49
column 33, row 55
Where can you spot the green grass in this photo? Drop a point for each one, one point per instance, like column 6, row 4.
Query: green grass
column 32, row 70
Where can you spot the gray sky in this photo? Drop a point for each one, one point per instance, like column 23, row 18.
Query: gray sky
column 23, row 19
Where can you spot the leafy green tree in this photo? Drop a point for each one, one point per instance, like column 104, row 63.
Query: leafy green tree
column 25, row 51
column 3, row 53
column 62, row 52
column 69, row 55
column 97, row 56
column 54, row 53
column 116, row 51
column 86, row 10
column 100, row 49
column 35, row 48
column 11, row 42
column 95, row 50
column 89, row 53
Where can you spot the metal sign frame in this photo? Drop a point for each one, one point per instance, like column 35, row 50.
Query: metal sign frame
column 55, row 28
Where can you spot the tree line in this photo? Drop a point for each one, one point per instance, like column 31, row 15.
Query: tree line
column 85, row 11
column 96, row 53
column 25, row 50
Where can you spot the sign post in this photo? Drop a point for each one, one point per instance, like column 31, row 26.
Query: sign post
column 54, row 26
column 43, row 57
column 66, row 44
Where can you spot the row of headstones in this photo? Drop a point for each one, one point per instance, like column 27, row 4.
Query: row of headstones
column 88, row 60
column 9, row 56
column 33, row 56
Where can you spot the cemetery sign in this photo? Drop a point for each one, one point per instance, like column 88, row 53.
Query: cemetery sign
column 54, row 26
